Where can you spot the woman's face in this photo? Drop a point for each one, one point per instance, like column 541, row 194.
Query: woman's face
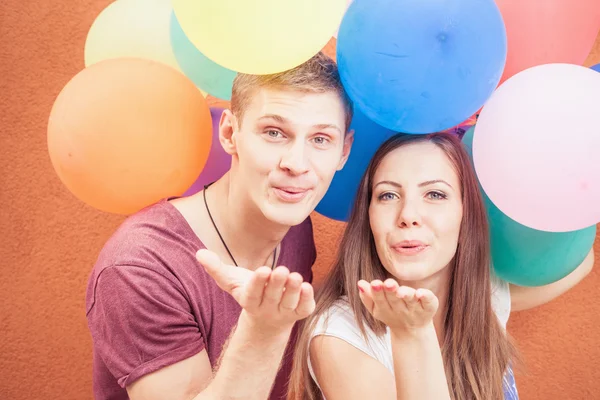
column 416, row 211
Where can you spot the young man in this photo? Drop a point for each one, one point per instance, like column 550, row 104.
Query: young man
column 167, row 325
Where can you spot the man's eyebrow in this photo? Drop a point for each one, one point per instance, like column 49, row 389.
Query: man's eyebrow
column 275, row 117
column 283, row 120
column 328, row 126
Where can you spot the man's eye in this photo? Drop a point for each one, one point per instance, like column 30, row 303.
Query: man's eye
column 322, row 141
column 273, row 133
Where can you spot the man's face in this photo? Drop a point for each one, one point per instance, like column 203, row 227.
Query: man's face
column 287, row 147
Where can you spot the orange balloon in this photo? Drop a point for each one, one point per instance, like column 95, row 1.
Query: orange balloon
column 125, row 133
column 548, row 31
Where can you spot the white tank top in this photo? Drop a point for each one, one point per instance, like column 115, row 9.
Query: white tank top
column 338, row 321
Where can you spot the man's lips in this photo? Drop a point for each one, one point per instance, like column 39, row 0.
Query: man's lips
column 292, row 189
column 290, row 194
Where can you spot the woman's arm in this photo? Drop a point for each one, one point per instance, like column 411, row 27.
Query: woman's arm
column 418, row 363
column 345, row 373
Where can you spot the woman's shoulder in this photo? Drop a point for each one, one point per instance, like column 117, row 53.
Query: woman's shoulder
column 338, row 315
column 340, row 321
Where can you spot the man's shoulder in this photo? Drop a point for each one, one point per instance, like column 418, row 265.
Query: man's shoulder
column 152, row 234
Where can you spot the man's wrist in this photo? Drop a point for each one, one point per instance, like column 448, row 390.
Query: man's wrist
column 264, row 330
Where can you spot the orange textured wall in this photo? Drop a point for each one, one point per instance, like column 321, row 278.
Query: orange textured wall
column 49, row 240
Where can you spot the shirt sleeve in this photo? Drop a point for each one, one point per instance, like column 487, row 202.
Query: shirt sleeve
column 339, row 322
column 500, row 299
column 140, row 321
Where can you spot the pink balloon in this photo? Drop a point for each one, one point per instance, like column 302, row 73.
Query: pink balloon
column 218, row 160
column 536, row 145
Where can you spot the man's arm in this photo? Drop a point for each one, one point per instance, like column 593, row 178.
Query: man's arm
column 523, row 298
column 272, row 302
column 248, row 369
column 182, row 380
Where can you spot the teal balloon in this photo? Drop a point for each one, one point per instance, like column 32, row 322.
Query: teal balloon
column 529, row 257
column 209, row 76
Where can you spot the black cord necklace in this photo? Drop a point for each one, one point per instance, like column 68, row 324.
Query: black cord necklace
column 221, row 237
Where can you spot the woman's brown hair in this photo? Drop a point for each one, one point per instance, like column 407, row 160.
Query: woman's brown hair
column 476, row 349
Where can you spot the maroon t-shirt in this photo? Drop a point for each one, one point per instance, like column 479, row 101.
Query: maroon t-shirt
column 150, row 304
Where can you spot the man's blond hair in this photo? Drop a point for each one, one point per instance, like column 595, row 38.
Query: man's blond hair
column 317, row 75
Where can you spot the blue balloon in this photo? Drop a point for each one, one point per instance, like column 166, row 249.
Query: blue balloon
column 596, row 67
column 339, row 199
column 529, row 257
column 209, row 76
column 421, row 66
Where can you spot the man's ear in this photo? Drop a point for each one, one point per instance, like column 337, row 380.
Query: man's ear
column 228, row 127
column 348, row 140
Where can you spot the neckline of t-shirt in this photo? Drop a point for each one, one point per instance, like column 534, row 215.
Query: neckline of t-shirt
column 175, row 213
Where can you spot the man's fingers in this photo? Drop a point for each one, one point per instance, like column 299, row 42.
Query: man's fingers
column 291, row 294
column 221, row 273
column 275, row 285
column 253, row 292
column 306, row 303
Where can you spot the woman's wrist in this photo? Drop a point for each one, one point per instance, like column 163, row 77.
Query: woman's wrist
column 425, row 332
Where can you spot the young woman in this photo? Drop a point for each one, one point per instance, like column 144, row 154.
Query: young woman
column 407, row 310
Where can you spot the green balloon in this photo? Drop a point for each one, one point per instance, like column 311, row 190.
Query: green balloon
column 206, row 74
column 529, row 257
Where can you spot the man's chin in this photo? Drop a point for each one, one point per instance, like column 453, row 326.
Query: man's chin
column 287, row 215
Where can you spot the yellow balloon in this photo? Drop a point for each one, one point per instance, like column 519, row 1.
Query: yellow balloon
column 259, row 36
column 132, row 28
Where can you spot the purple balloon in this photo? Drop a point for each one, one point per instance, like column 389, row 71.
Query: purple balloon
column 218, row 160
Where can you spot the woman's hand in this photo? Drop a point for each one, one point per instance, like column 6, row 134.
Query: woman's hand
column 402, row 308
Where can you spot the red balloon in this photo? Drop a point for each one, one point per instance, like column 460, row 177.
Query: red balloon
column 548, row 31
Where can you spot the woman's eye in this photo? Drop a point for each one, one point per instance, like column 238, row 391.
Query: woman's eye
column 387, row 196
column 436, row 195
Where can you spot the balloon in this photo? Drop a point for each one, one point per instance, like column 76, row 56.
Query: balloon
column 463, row 127
column 205, row 73
column 218, row 162
column 339, row 199
column 421, row 66
column 124, row 133
column 535, row 147
column 347, row 5
column 529, row 257
column 549, row 31
column 259, row 36
column 132, row 28
column 596, row 67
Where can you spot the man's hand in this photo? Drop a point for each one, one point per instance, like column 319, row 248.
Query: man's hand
column 272, row 300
